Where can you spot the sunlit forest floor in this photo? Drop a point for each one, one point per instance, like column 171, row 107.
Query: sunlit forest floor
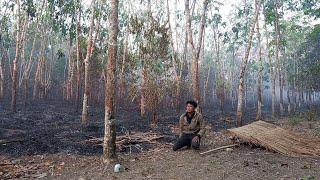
column 47, row 141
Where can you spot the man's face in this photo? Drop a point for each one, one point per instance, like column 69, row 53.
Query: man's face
column 190, row 108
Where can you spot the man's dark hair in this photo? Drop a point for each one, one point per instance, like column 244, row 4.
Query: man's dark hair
column 193, row 103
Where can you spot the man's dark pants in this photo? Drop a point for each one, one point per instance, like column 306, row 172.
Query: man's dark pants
column 186, row 140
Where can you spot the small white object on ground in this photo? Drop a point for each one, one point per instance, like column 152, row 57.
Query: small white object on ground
column 229, row 149
column 117, row 168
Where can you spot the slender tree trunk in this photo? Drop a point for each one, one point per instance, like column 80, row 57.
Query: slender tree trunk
column 78, row 58
column 23, row 49
column 69, row 68
column 183, row 73
column 123, row 65
column 27, row 71
column 86, row 69
column 195, row 49
column 245, row 87
column 273, row 91
column 48, row 73
column 144, row 80
column 71, row 78
column 182, row 63
column 233, row 91
column 295, row 91
column 244, row 65
column 15, row 61
column 2, row 75
column 289, row 95
column 272, row 72
column 277, row 40
column 259, row 90
column 109, row 144
column 38, row 79
column 219, row 81
column 205, row 89
column 144, row 72
column 177, row 76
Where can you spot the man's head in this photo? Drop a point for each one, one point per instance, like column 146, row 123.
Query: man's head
column 191, row 106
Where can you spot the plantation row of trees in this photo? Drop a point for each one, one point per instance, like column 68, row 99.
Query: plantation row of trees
column 151, row 53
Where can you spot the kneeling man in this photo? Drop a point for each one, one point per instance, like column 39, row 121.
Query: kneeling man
column 191, row 126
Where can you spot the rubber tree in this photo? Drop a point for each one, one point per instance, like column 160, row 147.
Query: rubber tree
column 196, row 47
column 244, row 66
column 109, row 143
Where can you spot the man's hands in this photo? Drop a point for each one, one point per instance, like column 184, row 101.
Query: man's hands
column 195, row 139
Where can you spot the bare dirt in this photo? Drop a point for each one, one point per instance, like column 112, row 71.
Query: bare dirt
column 47, row 141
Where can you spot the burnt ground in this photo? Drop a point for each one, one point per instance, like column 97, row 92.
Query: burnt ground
column 47, row 141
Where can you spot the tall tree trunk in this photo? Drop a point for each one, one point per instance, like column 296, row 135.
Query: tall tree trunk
column 86, row 68
column 48, row 73
column 295, row 91
column 289, row 94
column 272, row 72
column 27, row 71
column 38, row 79
column 233, row 91
column 23, row 49
column 69, row 67
column 259, row 88
column 177, row 77
column 205, row 89
column 71, row 77
column 78, row 57
column 244, row 65
column 219, row 81
column 144, row 72
column 123, row 65
column 195, row 49
column 143, row 89
column 109, row 144
column 277, row 40
column 15, row 61
column 2, row 75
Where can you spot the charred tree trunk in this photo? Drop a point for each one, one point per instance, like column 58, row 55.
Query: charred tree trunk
column 244, row 65
column 109, row 144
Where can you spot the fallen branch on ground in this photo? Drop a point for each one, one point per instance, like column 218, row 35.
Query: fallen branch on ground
column 219, row 148
column 10, row 141
column 136, row 138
